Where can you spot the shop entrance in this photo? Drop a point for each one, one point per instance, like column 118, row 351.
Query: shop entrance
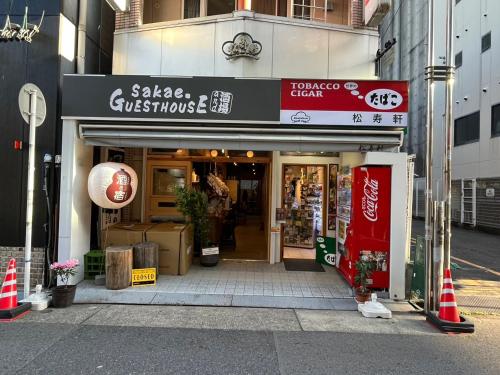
column 237, row 186
column 303, row 199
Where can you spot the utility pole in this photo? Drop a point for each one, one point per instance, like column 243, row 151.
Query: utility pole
column 429, row 72
column 448, row 139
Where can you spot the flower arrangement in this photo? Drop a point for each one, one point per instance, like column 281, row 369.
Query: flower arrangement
column 65, row 270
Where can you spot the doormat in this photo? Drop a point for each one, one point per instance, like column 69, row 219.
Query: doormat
column 308, row 265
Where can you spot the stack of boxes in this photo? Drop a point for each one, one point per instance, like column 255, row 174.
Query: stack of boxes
column 175, row 243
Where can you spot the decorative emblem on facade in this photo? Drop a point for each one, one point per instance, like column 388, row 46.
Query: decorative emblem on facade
column 242, row 45
column 25, row 32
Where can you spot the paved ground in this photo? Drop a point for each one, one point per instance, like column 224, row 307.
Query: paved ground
column 117, row 339
column 477, row 281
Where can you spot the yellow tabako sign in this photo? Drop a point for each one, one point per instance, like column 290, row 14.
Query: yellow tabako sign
column 143, row 276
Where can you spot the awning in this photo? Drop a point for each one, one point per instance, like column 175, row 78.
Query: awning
column 174, row 135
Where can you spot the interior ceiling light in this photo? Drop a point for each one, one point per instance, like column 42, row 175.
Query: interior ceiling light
column 250, row 154
column 214, row 153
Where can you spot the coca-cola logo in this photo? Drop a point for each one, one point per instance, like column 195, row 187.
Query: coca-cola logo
column 369, row 202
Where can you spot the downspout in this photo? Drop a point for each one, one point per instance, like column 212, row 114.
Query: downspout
column 82, row 34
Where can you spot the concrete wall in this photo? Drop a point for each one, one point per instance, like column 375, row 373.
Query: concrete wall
column 290, row 48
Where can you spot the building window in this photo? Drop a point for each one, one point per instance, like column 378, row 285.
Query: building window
column 191, row 8
column 220, row 7
column 467, row 129
column 458, row 60
column 495, row 120
column 486, row 42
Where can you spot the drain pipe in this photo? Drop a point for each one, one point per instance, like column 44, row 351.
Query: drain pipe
column 82, row 34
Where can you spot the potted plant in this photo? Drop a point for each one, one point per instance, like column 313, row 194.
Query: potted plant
column 64, row 295
column 364, row 268
column 193, row 205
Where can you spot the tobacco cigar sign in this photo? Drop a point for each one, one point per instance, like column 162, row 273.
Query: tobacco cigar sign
column 342, row 102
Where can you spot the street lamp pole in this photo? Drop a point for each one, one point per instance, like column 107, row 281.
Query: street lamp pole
column 428, row 160
column 450, row 71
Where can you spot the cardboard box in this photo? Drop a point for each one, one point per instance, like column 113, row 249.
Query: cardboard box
column 175, row 247
column 124, row 234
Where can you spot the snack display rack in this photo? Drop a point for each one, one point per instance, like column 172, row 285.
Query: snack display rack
column 304, row 208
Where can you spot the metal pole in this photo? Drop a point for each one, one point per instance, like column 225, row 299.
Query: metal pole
column 448, row 133
column 428, row 161
column 29, row 200
column 437, row 271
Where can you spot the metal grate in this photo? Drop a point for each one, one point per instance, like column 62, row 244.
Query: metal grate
column 314, row 10
column 488, row 202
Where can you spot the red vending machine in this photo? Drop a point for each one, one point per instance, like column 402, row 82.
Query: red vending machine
column 368, row 231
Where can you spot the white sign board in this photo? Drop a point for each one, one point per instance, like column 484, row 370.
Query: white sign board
column 490, row 192
column 375, row 10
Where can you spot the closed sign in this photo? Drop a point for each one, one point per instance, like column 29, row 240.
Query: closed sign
column 143, row 276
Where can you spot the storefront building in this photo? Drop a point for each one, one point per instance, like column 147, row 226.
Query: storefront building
column 298, row 115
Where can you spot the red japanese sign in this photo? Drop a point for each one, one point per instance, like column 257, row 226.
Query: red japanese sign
column 342, row 102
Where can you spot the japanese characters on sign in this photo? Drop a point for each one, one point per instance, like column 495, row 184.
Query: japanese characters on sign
column 210, row 99
column 350, row 103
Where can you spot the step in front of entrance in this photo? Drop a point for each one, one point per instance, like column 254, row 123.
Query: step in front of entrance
column 128, row 296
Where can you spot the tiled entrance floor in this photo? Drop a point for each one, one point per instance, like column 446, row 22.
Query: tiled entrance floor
column 236, row 283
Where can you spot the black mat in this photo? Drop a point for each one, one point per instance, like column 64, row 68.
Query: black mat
column 308, row 265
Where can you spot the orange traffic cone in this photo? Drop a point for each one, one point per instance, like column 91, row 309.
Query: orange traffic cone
column 8, row 293
column 448, row 305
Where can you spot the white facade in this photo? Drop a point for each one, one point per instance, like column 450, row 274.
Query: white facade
column 477, row 86
column 290, row 48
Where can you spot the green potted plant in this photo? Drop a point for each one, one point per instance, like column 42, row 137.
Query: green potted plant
column 364, row 268
column 64, row 295
column 193, row 205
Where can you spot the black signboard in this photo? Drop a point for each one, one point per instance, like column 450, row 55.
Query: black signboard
column 212, row 99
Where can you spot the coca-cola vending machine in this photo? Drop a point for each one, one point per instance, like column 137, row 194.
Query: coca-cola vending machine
column 368, row 231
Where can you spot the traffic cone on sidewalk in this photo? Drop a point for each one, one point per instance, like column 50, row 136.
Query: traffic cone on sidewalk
column 8, row 293
column 448, row 304
column 9, row 308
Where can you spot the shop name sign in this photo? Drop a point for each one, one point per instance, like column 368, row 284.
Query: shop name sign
column 144, row 98
column 168, row 100
column 24, row 32
column 342, row 102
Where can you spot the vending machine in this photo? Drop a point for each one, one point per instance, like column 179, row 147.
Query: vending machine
column 368, row 227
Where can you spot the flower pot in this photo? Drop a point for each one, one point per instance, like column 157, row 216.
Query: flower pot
column 209, row 256
column 362, row 297
column 63, row 295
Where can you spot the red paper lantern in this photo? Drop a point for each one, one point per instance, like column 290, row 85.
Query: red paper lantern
column 112, row 185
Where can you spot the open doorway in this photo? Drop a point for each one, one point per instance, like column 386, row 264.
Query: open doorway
column 303, row 198
column 238, row 224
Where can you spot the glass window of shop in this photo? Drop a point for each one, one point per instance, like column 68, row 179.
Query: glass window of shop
column 329, row 11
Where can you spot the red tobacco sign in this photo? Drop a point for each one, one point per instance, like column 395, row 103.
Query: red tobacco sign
column 344, row 102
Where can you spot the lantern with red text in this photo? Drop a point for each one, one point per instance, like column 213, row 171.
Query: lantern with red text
column 112, row 185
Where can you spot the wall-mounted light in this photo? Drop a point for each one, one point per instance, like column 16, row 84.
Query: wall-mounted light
column 119, row 5
column 250, row 154
column 214, row 153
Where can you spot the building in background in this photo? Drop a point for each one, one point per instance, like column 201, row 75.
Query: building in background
column 476, row 151
column 57, row 49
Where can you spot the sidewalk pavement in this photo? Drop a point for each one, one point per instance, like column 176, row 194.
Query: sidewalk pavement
column 134, row 339
column 477, row 279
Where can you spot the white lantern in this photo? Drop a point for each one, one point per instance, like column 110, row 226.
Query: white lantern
column 112, row 185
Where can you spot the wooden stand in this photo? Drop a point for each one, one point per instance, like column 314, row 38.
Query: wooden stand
column 146, row 255
column 118, row 267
